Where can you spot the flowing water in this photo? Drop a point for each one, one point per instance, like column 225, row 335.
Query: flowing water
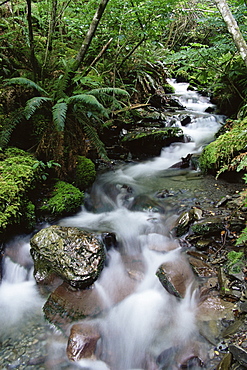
column 144, row 322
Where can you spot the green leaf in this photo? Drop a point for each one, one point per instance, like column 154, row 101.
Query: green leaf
column 59, row 115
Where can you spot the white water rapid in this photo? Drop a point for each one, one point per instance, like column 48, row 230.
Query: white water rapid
column 144, row 322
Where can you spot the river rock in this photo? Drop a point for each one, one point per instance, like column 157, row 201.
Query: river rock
column 208, row 226
column 74, row 255
column 176, row 276
column 201, row 268
column 82, row 342
column 66, row 304
column 185, row 219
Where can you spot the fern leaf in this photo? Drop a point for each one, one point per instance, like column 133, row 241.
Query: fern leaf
column 9, row 125
column 59, row 111
column 94, row 139
column 88, row 101
column 61, row 85
column 108, row 90
column 24, row 82
column 33, row 104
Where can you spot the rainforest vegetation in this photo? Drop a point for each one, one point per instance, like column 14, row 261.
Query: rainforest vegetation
column 70, row 69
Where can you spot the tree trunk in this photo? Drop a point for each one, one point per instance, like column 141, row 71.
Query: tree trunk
column 233, row 28
column 90, row 33
column 33, row 60
column 51, row 31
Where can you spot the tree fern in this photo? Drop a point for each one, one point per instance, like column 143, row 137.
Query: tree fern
column 59, row 111
column 33, row 104
column 94, row 139
column 24, row 82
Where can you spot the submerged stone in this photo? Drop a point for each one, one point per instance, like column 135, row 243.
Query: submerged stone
column 74, row 255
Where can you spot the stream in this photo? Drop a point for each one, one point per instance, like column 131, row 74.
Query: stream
column 143, row 326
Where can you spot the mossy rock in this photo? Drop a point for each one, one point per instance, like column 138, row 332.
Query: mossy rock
column 65, row 199
column 225, row 152
column 85, row 173
column 17, row 178
column 151, row 141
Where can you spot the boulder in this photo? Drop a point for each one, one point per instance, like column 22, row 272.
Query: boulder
column 74, row 255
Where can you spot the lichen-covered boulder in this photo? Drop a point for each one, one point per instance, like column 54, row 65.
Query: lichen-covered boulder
column 74, row 255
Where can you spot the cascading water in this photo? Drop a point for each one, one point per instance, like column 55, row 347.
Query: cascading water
column 147, row 322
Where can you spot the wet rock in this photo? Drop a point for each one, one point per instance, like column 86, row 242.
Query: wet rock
column 185, row 163
column 215, row 308
column 188, row 356
column 207, row 226
column 225, row 363
column 82, row 342
column 145, row 203
column 185, row 219
column 110, row 240
column 66, row 304
column 186, row 121
column 165, row 193
column 76, row 256
column 149, row 142
column 239, row 354
column 203, row 244
column 201, row 268
column 191, row 363
column 176, row 276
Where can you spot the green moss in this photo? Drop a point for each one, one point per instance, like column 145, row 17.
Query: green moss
column 221, row 153
column 85, row 173
column 17, row 177
column 65, row 199
column 169, row 89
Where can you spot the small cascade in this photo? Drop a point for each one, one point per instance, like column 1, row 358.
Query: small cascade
column 143, row 322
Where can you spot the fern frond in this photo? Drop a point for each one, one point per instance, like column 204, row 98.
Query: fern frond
column 24, row 82
column 88, row 101
column 61, row 86
column 94, row 139
column 33, row 104
column 108, row 91
column 9, row 125
column 59, row 111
